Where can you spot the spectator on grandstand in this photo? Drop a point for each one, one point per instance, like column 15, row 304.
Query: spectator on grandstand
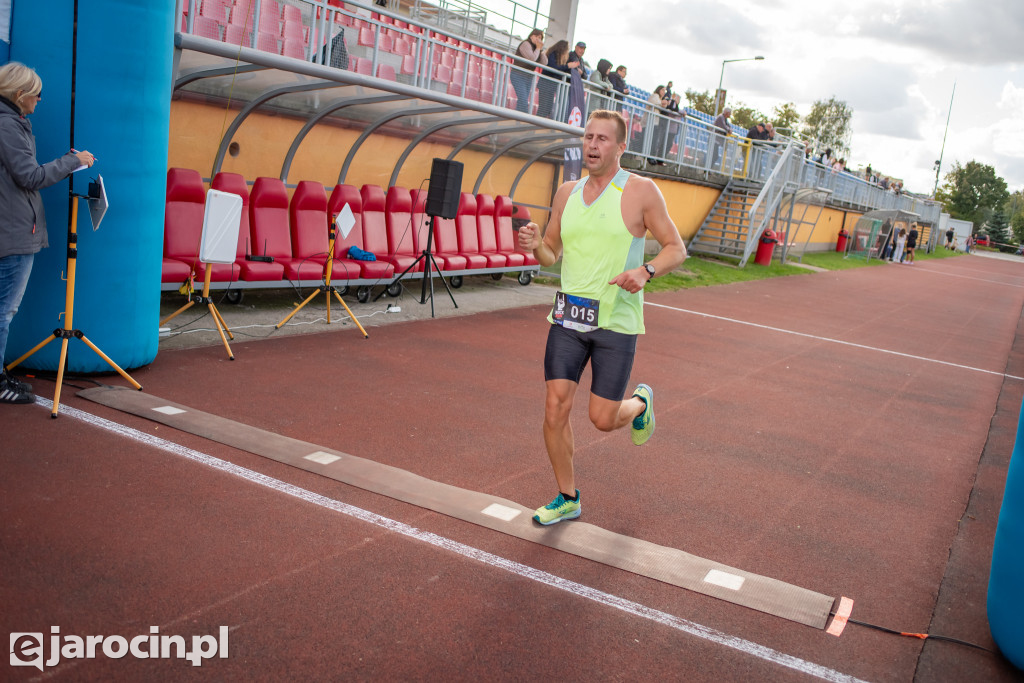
column 529, row 55
column 757, row 132
column 602, row 86
column 839, row 165
column 575, row 60
column 826, row 157
column 600, row 76
column 668, row 90
column 23, row 229
column 658, row 101
column 558, row 56
column 770, row 130
column 618, row 80
column 722, row 122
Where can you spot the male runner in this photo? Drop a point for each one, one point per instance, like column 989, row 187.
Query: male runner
column 598, row 227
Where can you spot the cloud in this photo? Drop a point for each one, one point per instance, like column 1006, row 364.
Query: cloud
column 701, row 27
column 897, row 123
column 962, row 30
column 868, row 85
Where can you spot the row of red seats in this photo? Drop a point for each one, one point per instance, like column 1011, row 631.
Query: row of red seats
column 293, row 232
column 281, row 31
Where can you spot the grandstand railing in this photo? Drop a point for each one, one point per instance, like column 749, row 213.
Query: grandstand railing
column 785, row 175
column 399, row 48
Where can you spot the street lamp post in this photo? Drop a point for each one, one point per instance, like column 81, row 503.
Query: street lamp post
column 721, row 100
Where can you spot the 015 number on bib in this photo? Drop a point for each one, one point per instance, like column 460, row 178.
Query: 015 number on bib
column 575, row 312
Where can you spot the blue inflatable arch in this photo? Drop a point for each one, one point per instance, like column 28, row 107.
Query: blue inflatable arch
column 122, row 111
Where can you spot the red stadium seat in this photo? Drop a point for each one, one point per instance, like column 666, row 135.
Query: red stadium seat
column 487, row 232
column 505, row 233
column 292, row 30
column 250, row 271
column 307, row 213
column 267, row 42
column 183, row 224
column 268, row 222
column 375, row 231
column 295, row 49
column 362, row 65
column 206, row 27
column 345, row 267
column 237, row 35
column 402, row 248
column 466, row 232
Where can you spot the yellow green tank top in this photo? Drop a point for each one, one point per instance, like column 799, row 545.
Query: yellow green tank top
column 596, row 246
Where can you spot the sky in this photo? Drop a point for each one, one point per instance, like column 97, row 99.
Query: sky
column 894, row 62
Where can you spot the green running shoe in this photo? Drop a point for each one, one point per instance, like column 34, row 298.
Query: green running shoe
column 643, row 424
column 558, row 509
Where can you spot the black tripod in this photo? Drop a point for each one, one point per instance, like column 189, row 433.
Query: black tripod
column 427, row 257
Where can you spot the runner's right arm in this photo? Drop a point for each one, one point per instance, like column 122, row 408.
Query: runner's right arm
column 549, row 248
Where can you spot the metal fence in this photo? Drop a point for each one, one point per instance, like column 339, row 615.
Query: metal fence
column 373, row 41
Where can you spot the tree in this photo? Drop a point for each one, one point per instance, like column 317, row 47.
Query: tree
column 1014, row 209
column 701, row 101
column 997, row 228
column 1017, row 225
column 785, row 118
column 746, row 117
column 972, row 192
column 828, row 126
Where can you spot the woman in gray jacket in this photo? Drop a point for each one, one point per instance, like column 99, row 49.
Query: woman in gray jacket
column 22, row 222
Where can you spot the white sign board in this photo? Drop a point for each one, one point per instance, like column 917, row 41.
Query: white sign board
column 220, row 227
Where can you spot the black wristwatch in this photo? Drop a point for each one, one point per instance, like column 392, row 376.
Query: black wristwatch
column 650, row 271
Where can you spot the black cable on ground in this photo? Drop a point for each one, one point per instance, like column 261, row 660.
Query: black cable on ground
column 922, row 636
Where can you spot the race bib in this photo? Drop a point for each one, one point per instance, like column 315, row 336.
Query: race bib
column 575, row 312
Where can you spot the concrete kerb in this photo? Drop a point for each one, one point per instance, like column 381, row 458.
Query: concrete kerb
column 260, row 310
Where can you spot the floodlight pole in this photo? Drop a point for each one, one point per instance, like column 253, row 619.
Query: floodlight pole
column 938, row 164
column 722, row 76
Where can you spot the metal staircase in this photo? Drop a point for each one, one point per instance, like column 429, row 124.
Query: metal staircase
column 725, row 230
column 744, row 209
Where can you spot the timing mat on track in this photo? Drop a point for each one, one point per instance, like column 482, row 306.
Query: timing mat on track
column 661, row 563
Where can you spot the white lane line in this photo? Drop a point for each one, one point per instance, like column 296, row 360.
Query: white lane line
column 835, row 341
column 525, row 571
column 970, row 277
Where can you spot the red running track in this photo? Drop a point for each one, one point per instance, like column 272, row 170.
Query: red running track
column 871, row 468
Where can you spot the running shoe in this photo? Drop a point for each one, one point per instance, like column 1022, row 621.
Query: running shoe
column 643, row 424
column 558, row 510
column 12, row 393
column 11, row 379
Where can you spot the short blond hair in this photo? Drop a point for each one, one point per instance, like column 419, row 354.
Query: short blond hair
column 608, row 115
column 15, row 77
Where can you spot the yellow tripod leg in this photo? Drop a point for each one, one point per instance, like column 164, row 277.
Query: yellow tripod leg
column 60, row 376
column 351, row 315
column 34, row 349
column 216, row 314
column 111, row 363
column 297, row 309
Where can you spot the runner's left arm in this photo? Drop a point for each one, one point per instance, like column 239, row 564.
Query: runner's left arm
column 660, row 225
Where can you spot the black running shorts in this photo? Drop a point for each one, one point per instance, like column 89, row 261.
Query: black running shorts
column 610, row 355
